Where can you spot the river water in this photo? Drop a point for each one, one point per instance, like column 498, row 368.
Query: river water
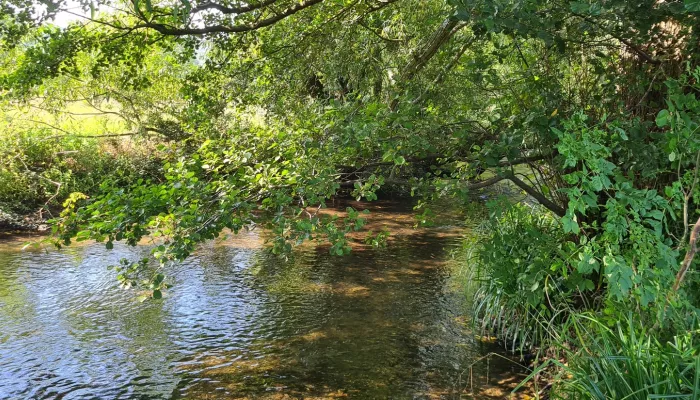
column 239, row 322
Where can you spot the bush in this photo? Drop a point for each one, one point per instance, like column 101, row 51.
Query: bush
column 620, row 242
column 39, row 169
column 522, row 297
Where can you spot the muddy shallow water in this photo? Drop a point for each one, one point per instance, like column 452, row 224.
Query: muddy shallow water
column 241, row 323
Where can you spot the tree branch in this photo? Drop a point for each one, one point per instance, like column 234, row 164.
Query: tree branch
column 232, row 10
column 524, row 160
column 379, row 35
column 688, row 256
column 641, row 53
column 444, row 72
column 106, row 135
column 421, row 56
column 550, row 205
column 434, row 157
column 172, row 31
column 471, row 186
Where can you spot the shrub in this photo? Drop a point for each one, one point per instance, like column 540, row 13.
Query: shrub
column 39, row 169
column 522, row 298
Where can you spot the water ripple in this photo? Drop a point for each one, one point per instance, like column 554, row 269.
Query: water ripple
column 238, row 322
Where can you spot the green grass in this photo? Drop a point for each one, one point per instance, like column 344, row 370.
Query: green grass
column 76, row 118
column 45, row 156
column 628, row 362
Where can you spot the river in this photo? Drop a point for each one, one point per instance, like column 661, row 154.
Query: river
column 239, row 322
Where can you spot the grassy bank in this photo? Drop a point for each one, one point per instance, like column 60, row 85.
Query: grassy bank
column 45, row 156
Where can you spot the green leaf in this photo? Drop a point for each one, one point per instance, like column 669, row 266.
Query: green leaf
column 587, row 264
column 580, row 7
column 586, row 284
column 157, row 294
column 656, row 214
column 692, row 5
column 620, row 276
column 570, row 226
column 623, row 134
column 462, row 14
column 668, row 190
column 158, row 279
column 82, row 235
column 662, row 118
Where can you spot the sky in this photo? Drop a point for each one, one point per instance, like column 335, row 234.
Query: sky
column 64, row 18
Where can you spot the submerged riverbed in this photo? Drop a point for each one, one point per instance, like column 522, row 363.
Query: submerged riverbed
column 241, row 323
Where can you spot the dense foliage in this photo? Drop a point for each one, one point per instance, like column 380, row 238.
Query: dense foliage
column 261, row 112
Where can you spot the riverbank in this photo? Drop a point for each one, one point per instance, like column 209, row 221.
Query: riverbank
column 11, row 222
column 587, row 344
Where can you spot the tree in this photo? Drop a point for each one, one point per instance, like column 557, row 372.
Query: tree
column 286, row 103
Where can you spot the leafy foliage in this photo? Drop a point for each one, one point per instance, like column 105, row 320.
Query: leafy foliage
column 621, row 241
column 39, row 171
column 531, row 281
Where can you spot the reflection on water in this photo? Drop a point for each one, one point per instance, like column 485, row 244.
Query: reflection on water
column 240, row 323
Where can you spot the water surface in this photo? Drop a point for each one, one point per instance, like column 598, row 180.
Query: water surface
column 241, row 323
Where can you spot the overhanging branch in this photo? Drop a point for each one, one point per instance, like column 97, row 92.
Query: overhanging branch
column 422, row 55
column 173, row 31
column 232, row 10
column 445, row 160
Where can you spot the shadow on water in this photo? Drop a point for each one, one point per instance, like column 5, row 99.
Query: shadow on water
column 240, row 323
